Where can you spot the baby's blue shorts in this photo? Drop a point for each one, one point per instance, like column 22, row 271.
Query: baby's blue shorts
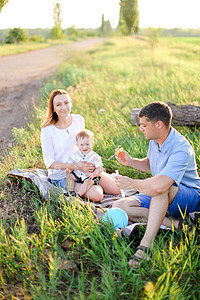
column 187, row 200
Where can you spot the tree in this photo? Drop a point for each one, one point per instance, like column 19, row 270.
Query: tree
column 153, row 38
column 105, row 26
column 57, row 14
column 129, row 16
column 102, row 23
column 57, row 32
column 16, row 35
column 2, row 3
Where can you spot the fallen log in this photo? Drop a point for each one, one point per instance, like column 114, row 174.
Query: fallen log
column 183, row 115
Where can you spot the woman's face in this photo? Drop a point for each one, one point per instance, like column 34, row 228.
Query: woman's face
column 62, row 105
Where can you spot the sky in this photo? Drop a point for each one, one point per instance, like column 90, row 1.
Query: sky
column 88, row 13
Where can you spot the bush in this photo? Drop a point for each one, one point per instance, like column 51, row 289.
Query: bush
column 73, row 32
column 16, row 35
column 37, row 38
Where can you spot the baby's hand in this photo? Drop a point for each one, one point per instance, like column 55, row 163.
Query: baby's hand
column 95, row 173
column 67, row 171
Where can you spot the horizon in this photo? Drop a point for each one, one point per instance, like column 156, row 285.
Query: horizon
column 91, row 28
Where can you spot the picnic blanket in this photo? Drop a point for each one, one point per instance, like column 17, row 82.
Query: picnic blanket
column 39, row 177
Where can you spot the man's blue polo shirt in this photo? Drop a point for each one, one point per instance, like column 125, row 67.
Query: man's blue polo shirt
column 175, row 159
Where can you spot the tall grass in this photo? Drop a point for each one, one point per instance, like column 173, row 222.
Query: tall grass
column 105, row 84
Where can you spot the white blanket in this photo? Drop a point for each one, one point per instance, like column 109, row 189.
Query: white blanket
column 40, row 178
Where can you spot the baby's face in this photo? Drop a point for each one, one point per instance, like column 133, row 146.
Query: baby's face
column 85, row 145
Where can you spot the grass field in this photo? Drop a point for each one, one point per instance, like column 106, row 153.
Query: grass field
column 105, row 84
column 11, row 49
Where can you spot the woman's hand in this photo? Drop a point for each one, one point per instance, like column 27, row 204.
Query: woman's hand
column 85, row 167
column 123, row 157
column 67, row 171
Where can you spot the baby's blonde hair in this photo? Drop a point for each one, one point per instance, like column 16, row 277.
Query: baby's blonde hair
column 85, row 133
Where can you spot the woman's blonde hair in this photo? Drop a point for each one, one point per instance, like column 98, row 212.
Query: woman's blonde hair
column 52, row 117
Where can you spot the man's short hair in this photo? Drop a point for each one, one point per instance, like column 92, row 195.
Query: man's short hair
column 157, row 111
column 85, row 133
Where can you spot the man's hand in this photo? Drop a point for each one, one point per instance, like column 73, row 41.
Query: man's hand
column 123, row 157
column 152, row 186
column 85, row 167
column 123, row 182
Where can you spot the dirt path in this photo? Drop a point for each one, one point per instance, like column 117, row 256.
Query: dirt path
column 21, row 78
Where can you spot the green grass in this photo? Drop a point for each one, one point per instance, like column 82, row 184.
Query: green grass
column 185, row 40
column 11, row 49
column 105, row 84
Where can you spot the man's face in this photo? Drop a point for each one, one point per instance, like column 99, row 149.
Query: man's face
column 148, row 129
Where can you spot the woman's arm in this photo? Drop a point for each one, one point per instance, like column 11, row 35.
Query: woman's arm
column 83, row 166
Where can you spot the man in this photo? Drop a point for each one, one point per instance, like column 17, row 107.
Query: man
column 175, row 185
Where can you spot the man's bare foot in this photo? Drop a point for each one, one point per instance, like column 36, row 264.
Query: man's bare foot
column 142, row 254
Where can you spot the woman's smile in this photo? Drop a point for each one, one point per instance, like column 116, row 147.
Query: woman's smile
column 62, row 105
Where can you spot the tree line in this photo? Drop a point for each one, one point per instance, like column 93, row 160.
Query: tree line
column 128, row 23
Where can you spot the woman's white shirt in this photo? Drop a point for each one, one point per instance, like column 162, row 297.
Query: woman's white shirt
column 59, row 144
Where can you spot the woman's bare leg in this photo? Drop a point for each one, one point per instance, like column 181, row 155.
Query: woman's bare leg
column 70, row 182
column 95, row 193
column 107, row 182
column 82, row 188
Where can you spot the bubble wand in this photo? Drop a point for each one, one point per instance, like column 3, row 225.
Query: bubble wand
column 118, row 150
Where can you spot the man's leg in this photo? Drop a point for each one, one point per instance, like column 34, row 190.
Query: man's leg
column 157, row 211
column 136, row 213
column 131, row 206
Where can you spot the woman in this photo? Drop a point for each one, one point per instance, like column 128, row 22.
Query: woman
column 58, row 139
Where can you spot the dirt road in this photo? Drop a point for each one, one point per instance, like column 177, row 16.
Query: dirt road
column 21, row 78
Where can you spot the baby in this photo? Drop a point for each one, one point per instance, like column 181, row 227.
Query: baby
column 86, row 184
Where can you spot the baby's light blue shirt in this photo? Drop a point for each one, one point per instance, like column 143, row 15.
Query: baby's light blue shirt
column 175, row 159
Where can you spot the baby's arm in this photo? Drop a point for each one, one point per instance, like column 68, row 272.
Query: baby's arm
column 95, row 173
column 98, row 166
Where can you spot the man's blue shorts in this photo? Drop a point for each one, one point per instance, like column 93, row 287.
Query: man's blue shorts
column 187, row 200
